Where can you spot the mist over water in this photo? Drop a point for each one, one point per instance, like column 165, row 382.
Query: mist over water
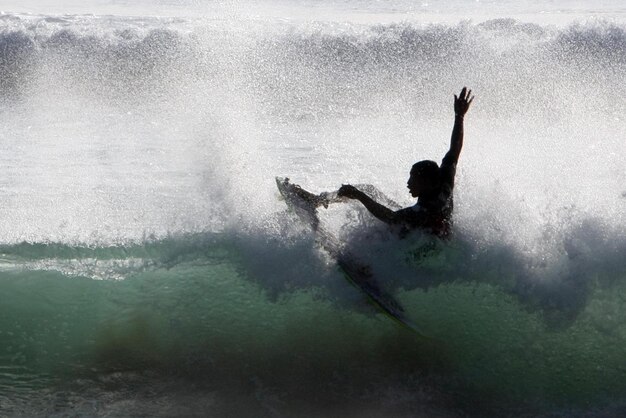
column 144, row 244
column 544, row 139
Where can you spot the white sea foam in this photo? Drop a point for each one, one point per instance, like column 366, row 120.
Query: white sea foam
column 117, row 128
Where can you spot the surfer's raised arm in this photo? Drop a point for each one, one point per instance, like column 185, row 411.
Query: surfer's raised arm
column 461, row 105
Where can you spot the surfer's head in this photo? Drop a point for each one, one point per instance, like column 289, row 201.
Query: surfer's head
column 424, row 178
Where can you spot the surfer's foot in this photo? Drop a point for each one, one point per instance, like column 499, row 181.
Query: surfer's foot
column 315, row 200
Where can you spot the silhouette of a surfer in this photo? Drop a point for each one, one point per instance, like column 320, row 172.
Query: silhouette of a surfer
column 430, row 183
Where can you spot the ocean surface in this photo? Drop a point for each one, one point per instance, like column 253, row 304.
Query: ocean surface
column 148, row 266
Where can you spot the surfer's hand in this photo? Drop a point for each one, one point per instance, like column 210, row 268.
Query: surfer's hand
column 463, row 102
column 348, row 191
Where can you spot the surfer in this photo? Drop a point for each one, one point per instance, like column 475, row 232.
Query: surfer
column 430, row 183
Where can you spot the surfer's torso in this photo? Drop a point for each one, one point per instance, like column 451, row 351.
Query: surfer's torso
column 432, row 213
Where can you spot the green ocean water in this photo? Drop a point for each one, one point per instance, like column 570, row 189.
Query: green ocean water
column 184, row 323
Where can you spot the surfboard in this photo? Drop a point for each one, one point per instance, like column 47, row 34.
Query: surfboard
column 305, row 204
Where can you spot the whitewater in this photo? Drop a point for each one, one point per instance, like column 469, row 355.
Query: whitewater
column 148, row 266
